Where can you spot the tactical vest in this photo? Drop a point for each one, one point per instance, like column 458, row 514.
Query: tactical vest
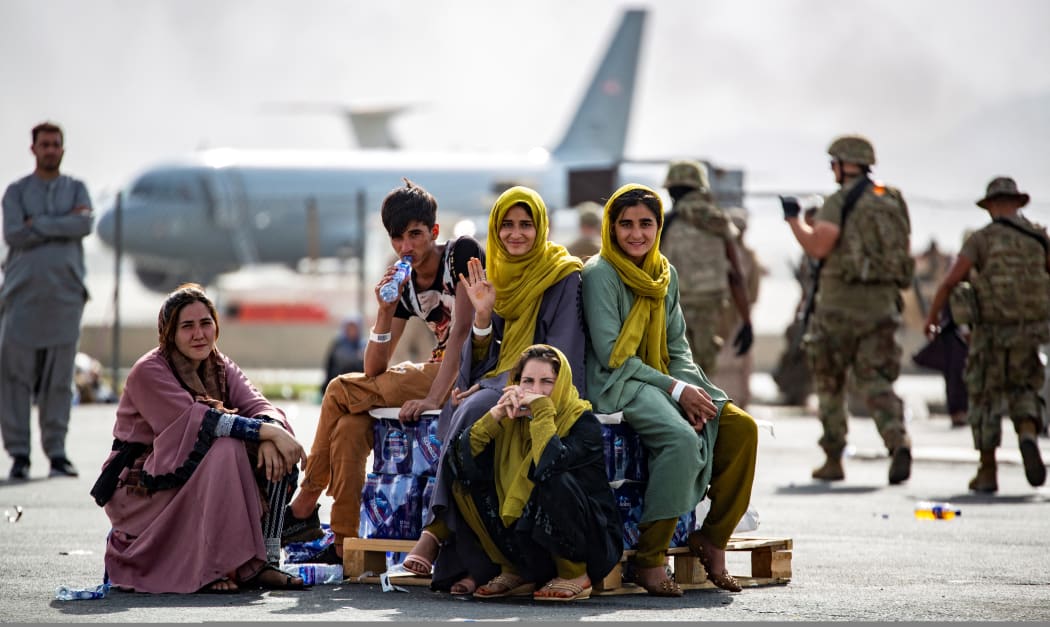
column 698, row 255
column 1013, row 286
column 874, row 244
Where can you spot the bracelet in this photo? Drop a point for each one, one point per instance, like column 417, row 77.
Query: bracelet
column 676, row 391
column 378, row 338
column 482, row 332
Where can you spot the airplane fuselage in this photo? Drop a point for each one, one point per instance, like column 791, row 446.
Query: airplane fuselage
column 220, row 209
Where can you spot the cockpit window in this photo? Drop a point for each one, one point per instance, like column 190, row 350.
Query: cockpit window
column 171, row 186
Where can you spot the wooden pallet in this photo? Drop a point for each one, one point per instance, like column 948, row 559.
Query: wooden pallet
column 770, row 565
column 365, row 559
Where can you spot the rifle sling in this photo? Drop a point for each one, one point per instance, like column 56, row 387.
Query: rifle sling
column 1017, row 227
column 847, row 206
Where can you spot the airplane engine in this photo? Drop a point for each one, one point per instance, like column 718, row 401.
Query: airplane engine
column 166, row 280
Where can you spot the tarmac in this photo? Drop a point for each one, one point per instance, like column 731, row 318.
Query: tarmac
column 859, row 553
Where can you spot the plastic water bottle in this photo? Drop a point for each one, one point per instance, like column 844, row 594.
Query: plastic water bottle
column 390, row 290
column 316, row 574
column 65, row 593
column 930, row 510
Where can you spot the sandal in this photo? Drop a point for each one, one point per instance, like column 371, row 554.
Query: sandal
column 666, row 587
column 723, row 579
column 466, row 585
column 418, row 564
column 512, row 586
column 263, row 580
column 225, row 583
column 550, row 592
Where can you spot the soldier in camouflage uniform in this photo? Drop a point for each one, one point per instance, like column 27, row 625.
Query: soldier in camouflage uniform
column 698, row 242
column 857, row 312
column 1009, row 322
column 589, row 241
column 734, row 371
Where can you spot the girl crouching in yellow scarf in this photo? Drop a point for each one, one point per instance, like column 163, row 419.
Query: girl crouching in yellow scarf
column 528, row 292
column 531, row 485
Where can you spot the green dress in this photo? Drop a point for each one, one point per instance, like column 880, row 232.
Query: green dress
column 679, row 458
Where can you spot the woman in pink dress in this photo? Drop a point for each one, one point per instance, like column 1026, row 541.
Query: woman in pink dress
column 201, row 467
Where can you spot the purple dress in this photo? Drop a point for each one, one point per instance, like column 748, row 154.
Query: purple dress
column 181, row 539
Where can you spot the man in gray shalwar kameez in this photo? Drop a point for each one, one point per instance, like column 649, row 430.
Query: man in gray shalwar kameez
column 46, row 215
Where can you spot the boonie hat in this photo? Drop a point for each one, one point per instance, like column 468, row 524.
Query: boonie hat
column 1002, row 186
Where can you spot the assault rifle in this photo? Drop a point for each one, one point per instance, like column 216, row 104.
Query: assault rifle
column 812, row 268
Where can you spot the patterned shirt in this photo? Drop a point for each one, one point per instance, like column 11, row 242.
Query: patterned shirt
column 434, row 304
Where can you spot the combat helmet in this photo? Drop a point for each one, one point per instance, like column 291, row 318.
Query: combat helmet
column 853, row 149
column 687, row 173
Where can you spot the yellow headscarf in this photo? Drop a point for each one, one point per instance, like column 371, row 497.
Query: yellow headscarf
column 521, row 281
column 515, row 448
column 644, row 332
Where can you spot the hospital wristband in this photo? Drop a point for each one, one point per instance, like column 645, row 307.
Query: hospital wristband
column 481, row 332
column 676, row 391
column 378, row 338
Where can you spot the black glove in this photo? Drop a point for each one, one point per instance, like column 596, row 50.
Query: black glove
column 790, row 206
column 744, row 338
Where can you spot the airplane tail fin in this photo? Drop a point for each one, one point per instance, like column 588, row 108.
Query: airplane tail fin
column 599, row 128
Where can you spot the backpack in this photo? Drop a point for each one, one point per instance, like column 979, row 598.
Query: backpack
column 875, row 243
column 1014, row 286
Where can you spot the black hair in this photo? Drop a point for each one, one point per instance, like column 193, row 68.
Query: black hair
column 47, row 127
column 404, row 205
column 525, row 206
column 168, row 320
column 541, row 352
column 632, row 198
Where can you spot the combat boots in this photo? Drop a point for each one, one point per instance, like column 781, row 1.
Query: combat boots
column 985, row 480
column 1034, row 469
column 900, row 461
column 831, row 470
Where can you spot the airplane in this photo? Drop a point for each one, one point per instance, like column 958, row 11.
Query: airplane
column 194, row 218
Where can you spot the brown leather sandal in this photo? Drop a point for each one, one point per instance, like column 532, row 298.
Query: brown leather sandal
column 723, row 579
column 666, row 587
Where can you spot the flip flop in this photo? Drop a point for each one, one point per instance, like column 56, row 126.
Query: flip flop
column 513, row 586
column 576, row 591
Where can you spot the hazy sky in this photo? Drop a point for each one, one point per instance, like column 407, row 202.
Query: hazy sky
column 952, row 92
column 759, row 85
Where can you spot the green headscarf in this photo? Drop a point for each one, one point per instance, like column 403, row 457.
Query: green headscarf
column 522, row 280
column 644, row 332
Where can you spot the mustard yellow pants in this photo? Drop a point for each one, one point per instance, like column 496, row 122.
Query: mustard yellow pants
column 733, row 472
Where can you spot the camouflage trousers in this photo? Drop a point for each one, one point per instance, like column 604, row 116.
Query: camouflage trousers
column 702, row 316
column 1003, row 369
column 838, row 342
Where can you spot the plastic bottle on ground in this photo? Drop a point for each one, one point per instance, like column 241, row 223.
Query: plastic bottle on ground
column 316, row 574
column 65, row 593
column 933, row 510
